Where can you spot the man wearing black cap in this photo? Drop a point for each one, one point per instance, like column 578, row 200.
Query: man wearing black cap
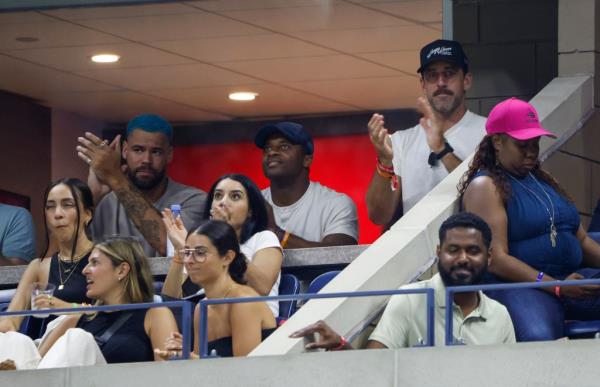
column 305, row 213
column 411, row 162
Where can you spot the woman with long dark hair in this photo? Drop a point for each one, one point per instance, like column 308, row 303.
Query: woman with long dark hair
column 68, row 208
column 213, row 260
column 236, row 200
column 537, row 233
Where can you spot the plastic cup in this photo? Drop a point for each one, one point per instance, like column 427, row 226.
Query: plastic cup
column 39, row 289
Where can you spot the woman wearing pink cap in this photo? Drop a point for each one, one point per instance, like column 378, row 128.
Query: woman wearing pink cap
column 537, row 233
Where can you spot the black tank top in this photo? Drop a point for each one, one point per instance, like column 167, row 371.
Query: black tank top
column 74, row 283
column 129, row 343
column 224, row 345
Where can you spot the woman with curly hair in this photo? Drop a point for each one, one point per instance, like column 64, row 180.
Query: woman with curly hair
column 537, row 233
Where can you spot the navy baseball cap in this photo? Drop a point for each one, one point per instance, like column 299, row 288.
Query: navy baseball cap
column 293, row 131
column 446, row 51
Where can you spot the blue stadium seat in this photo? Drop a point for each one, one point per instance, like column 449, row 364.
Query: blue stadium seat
column 6, row 295
column 158, row 285
column 289, row 285
column 322, row 280
column 582, row 329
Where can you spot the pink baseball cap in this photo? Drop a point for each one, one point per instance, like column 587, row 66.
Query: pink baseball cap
column 516, row 118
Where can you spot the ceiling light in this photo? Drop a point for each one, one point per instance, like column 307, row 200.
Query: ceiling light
column 26, row 39
column 243, row 96
column 105, row 58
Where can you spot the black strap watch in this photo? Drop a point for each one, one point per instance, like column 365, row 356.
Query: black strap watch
column 435, row 157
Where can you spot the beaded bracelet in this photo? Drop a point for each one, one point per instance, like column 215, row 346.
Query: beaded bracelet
column 342, row 344
column 540, row 276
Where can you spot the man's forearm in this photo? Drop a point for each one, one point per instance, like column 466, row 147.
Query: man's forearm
column 142, row 213
column 381, row 200
column 450, row 162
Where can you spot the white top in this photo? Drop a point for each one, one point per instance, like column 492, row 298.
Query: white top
column 321, row 211
column 262, row 240
column 411, row 153
column 404, row 324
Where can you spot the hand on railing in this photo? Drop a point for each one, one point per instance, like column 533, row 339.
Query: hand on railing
column 328, row 338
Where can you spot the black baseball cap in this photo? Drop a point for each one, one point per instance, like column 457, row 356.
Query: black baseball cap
column 293, row 131
column 446, row 51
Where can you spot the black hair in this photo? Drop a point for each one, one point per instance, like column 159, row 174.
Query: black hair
column 223, row 237
column 81, row 195
column 257, row 220
column 466, row 220
column 485, row 159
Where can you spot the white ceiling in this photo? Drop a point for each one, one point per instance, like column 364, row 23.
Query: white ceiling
column 181, row 60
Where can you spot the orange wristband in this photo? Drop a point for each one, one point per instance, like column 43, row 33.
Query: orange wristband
column 557, row 291
column 284, row 241
column 176, row 258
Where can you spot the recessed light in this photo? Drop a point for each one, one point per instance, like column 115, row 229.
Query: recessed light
column 105, row 58
column 243, row 96
column 26, row 39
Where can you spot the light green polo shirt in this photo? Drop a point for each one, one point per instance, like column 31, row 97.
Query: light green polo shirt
column 404, row 321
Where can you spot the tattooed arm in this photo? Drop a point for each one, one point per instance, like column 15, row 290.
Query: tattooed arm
column 142, row 213
column 104, row 160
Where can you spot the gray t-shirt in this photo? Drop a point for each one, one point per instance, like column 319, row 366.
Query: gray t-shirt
column 111, row 219
column 321, row 211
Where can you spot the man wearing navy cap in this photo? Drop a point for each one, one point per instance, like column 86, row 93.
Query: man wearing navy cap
column 411, row 162
column 138, row 195
column 305, row 213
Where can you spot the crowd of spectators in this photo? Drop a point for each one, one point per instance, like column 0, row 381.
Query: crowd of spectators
column 519, row 225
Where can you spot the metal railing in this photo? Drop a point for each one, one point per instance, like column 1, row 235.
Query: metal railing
column 186, row 323
column 501, row 286
column 429, row 293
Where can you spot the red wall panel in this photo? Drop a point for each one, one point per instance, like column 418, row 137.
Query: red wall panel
column 343, row 163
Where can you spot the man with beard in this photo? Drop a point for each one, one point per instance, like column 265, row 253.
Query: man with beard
column 304, row 213
column 140, row 188
column 463, row 258
column 411, row 162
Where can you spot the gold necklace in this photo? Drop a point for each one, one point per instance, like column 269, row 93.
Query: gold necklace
column 70, row 270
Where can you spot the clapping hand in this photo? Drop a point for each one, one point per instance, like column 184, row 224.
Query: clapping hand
column 380, row 138
column 432, row 125
column 103, row 158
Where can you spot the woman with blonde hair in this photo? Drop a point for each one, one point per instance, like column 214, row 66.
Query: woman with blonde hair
column 117, row 273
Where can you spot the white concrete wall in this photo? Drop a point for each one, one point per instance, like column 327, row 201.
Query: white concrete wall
column 529, row 364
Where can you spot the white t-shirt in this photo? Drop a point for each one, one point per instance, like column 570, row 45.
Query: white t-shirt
column 321, row 211
column 411, row 153
column 262, row 240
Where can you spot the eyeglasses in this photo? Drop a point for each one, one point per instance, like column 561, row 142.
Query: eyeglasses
column 198, row 254
column 432, row 76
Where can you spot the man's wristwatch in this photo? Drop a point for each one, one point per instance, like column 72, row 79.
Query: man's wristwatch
column 434, row 157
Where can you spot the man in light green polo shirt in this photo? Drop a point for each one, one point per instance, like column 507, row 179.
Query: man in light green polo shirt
column 463, row 258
